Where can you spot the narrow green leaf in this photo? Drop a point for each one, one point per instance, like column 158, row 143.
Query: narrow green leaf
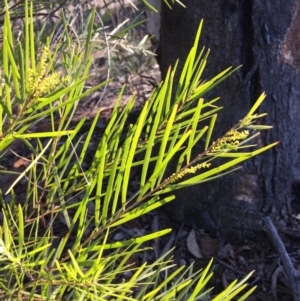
column 188, row 150
column 89, row 32
column 150, row 6
column 137, row 240
column 194, row 130
column 234, row 292
column 133, row 146
column 149, row 206
column 256, row 105
column 169, row 156
column 75, row 264
column 27, row 50
column 31, row 37
column 231, row 289
column 151, row 295
column 20, row 231
column 43, row 134
column 187, row 71
column 202, row 281
column 6, row 72
column 69, row 272
column 37, row 250
column 166, row 134
column 111, row 184
column 246, row 295
column 207, row 86
column 120, row 176
column 259, row 127
column 210, row 130
column 100, row 181
column 156, row 115
column 22, row 71
column 232, row 155
column 133, row 280
column 14, row 69
column 198, row 70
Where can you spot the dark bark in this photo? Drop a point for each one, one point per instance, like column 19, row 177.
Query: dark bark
column 263, row 37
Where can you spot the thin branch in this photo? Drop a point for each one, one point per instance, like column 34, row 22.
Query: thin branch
column 288, row 266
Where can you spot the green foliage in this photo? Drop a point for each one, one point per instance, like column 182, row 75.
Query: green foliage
column 92, row 201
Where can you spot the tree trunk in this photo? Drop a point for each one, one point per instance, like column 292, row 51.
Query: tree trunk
column 263, row 36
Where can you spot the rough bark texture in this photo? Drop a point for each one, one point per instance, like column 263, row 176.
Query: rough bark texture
column 263, row 36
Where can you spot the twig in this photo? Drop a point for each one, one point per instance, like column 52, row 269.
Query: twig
column 229, row 267
column 288, row 266
column 274, row 281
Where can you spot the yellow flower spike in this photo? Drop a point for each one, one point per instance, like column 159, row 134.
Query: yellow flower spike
column 38, row 83
column 191, row 170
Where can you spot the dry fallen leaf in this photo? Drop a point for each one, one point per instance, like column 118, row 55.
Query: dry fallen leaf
column 192, row 244
column 209, row 246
